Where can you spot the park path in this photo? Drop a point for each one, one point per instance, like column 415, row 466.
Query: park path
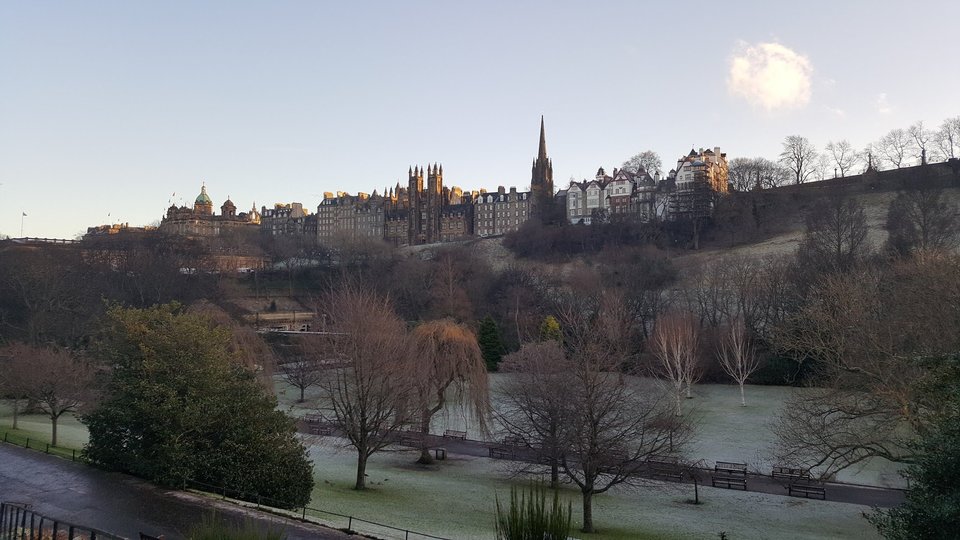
column 835, row 491
column 873, row 496
column 121, row 504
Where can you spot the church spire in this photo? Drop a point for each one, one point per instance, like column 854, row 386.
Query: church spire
column 542, row 154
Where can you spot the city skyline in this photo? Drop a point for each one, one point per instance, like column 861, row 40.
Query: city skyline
column 110, row 108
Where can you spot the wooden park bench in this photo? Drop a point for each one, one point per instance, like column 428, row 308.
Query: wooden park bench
column 411, row 439
column 321, row 430
column 440, row 453
column 729, row 482
column 514, row 440
column 313, row 418
column 790, row 473
column 729, row 475
column 807, row 488
column 498, row 452
column 454, row 434
column 665, row 468
column 726, row 468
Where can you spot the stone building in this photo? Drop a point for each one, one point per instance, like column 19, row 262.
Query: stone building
column 700, row 177
column 287, row 220
column 201, row 221
column 501, row 212
column 348, row 216
column 623, row 194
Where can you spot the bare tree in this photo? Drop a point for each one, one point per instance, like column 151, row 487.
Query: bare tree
column 674, row 344
column 756, row 173
column 368, row 394
column 836, row 235
column 844, row 156
column 948, row 138
column 874, row 335
column 302, row 372
column 54, row 379
column 922, row 142
column 922, row 220
column 14, row 374
column 895, row 147
column 799, row 156
column 613, row 421
column 445, row 357
column 648, row 160
column 614, row 426
column 737, row 357
column 534, row 406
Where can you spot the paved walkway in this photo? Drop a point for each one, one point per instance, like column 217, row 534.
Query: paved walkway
column 121, row 504
column 835, row 491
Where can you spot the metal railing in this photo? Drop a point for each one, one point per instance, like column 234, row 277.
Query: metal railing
column 347, row 523
column 19, row 522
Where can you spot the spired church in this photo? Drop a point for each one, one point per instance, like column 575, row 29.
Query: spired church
column 201, row 221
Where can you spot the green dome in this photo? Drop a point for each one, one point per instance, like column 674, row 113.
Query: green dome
column 203, row 198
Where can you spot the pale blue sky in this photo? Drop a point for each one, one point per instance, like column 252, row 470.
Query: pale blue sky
column 111, row 107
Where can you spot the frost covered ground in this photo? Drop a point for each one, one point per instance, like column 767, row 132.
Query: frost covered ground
column 456, row 499
column 725, row 430
column 70, row 432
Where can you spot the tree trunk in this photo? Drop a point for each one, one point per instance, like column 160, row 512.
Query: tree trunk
column 743, row 397
column 425, row 458
column 302, row 388
column 554, row 473
column 16, row 406
column 587, row 511
column 53, row 425
column 689, row 393
column 679, row 410
column 361, row 470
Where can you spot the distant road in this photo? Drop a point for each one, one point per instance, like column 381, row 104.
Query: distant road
column 121, row 504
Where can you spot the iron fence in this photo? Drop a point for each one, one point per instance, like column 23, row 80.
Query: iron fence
column 19, row 522
column 347, row 523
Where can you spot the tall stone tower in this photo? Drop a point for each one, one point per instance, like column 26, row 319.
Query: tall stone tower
column 434, row 203
column 541, row 180
column 415, row 210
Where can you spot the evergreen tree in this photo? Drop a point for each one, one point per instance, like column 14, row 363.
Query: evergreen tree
column 550, row 329
column 932, row 508
column 178, row 408
column 491, row 346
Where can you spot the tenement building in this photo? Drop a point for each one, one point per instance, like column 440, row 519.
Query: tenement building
column 501, row 212
column 700, row 177
column 201, row 221
column 287, row 220
column 625, row 193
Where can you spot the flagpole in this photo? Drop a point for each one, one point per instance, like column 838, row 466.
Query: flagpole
column 22, row 215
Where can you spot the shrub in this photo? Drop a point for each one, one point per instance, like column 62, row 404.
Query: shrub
column 528, row 517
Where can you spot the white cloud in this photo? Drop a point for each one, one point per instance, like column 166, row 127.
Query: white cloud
column 883, row 106
column 770, row 75
column 836, row 111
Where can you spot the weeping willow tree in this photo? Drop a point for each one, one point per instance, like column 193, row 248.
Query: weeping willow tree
column 446, row 363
